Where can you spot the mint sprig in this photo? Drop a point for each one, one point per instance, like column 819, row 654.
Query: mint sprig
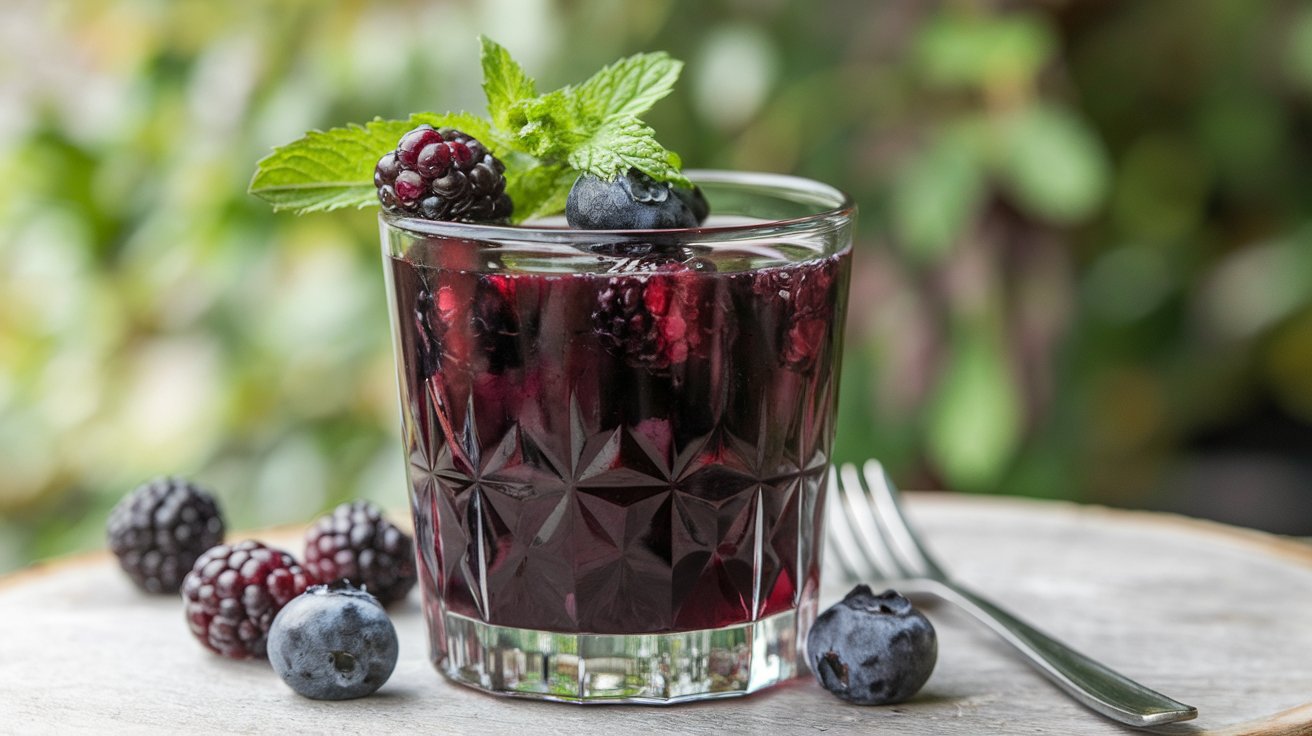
column 545, row 140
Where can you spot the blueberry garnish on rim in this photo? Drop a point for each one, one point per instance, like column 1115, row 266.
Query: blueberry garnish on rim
column 633, row 201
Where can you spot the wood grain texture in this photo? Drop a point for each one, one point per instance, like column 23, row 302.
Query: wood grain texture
column 1216, row 617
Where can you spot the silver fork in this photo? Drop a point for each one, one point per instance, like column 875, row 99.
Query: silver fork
column 870, row 538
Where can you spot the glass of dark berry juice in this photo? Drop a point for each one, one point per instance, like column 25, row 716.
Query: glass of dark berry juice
column 618, row 441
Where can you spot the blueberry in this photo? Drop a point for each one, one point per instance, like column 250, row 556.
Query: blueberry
column 334, row 642
column 872, row 649
column 696, row 202
column 632, row 202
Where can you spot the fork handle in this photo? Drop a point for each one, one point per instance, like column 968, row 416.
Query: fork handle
column 1096, row 686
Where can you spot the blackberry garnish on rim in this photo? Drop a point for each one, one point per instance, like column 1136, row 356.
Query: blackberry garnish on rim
column 442, row 175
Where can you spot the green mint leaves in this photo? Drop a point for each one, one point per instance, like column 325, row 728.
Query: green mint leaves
column 545, row 140
column 592, row 127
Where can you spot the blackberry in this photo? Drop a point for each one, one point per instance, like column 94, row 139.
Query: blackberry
column 442, row 175
column 633, row 201
column 496, row 321
column 872, row 649
column 808, row 314
column 651, row 318
column 430, row 329
column 233, row 592
column 160, row 528
column 335, row 642
column 356, row 543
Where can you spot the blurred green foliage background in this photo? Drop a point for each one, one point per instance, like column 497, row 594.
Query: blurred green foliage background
column 1084, row 266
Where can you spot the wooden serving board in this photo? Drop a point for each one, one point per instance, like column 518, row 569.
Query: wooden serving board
column 1217, row 617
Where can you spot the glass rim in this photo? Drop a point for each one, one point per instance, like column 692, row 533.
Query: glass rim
column 834, row 207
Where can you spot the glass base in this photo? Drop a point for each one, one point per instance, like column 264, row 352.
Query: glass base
column 643, row 668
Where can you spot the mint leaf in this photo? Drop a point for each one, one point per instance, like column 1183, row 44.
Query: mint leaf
column 539, row 191
column 550, row 126
column 629, row 87
column 504, row 83
column 328, row 170
column 593, row 127
column 622, row 143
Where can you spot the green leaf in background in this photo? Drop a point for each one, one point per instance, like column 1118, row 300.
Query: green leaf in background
column 504, row 83
column 328, row 170
column 1055, row 164
column 959, row 49
column 1298, row 51
column 1162, row 188
column 974, row 422
column 937, row 196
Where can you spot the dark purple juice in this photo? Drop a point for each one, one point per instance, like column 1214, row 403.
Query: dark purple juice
column 627, row 445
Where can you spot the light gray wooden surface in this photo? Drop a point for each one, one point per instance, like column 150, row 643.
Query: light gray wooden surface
column 1216, row 617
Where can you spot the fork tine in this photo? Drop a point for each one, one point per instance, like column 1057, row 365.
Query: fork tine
column 901, row 538
column 890, row 531
column 839, row 538
column 862, row 518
